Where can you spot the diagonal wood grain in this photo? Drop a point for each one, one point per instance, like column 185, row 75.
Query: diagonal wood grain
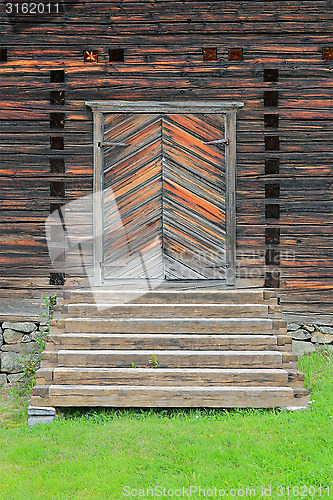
column 193, row 197
column 132, row 232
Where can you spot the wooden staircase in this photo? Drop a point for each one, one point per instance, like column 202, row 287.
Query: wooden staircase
column 169, row 348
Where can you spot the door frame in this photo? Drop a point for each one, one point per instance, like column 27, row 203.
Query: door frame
column 228, row 109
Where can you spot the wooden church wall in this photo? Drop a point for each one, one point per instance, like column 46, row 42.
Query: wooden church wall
column 274, row 56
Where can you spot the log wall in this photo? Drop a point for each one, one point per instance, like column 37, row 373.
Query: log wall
column 281, row 71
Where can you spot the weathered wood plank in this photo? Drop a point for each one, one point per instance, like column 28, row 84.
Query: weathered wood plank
column 194, row 296
column 25, row 309
column 170, row 359
column 124, row 27
column 159, row 341
column 166, row 311
column 184, row 325
column 170, row 377
column 123, row 396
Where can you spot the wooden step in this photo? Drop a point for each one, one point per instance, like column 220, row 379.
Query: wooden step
column 164, row 397
column 169, row 348
column 168, row 310
column 163, row 341
column 169, row 358
column 167, row 296
column 170, row 376
column 179, row 325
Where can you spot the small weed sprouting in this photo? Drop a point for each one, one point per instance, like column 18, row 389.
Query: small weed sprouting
column 153, row 362
column 31, row 361
column 133, row 365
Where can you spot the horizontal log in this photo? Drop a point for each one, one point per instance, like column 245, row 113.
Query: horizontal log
column 219, row 79
column 170, row 377
column 123, row 396
column 313, row 128
column 169, row 359
column 106, row 37
column 232, row 326
column 168, row 295
column 288, row 97
column 170, row 342
column 168, row 311
column 125, row 27
column 295, row 283
column 23, row 216
column 253, row 110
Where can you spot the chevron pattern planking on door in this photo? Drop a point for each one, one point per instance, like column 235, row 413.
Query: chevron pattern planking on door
column 164, row 197
column 169, row 348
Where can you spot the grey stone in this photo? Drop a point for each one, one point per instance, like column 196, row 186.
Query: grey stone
column 41, row 415
column 11, row 362
column 12, row 336
column 22, row 326
column 15, row 378
column 27, row 348
column 34, row 420
column 41, row 410
column 300, row 347
column 3, row 379
column 12, row 348
column 31, row 348
column 26, row 338
column 291, row 327
column 321, row 338
column 300, row 334
column 326, row 329
column 297, row 408
column 309, row 328
column 36, row 335
column 1, row 339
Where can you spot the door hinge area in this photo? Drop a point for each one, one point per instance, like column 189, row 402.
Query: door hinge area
column 217, row 266
column 122, row 144
column 219, row 141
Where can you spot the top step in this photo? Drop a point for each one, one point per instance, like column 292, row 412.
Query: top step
column 109, row 296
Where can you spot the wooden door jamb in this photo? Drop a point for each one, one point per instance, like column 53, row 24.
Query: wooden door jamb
column 228, row 109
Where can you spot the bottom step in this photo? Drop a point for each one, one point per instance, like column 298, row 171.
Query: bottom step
column 163, row 397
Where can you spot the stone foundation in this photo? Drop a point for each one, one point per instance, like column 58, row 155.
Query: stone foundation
column 310, row 337
column 17, row 342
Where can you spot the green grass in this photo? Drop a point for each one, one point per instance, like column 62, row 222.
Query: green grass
column 94, row 454
column 13, row 408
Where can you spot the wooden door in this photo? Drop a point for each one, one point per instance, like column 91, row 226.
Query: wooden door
column 163, row 197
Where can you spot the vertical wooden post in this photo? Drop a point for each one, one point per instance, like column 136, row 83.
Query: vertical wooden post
column 98, row 198
column 230, row 179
